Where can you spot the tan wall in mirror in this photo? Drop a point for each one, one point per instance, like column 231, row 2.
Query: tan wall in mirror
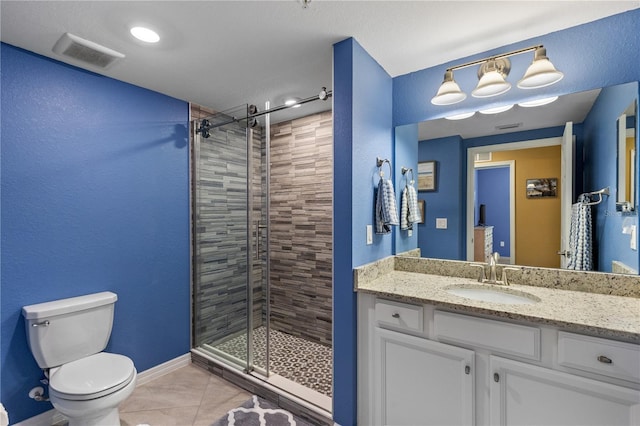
column 537, row 219
column 631, row 145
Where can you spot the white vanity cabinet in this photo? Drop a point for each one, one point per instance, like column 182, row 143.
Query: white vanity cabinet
column 421, row 365
column 421, row 382
column 523, row 394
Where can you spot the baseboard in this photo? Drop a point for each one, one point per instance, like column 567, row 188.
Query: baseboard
column 48, row 418
column 52, row 417
column 164, row 368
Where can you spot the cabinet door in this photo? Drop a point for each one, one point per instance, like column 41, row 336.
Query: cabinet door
column 523, row 394
column 421, row 382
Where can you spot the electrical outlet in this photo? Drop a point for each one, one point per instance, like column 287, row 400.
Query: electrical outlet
column 410, row 232
column 441, row 223
column 369, row 234
column 501, row 243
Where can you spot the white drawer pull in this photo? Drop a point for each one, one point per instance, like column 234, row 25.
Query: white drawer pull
column 605, row 360
column 395, row 315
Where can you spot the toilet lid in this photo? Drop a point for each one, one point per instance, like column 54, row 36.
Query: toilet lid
column 92, row 377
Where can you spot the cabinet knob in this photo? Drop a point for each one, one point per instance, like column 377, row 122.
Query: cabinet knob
column 605, row 360
column 496, row 377
column 467, row 369
column 395, row 315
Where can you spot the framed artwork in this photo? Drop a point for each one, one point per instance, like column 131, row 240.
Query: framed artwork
column 422, row 208
column 542, row 187
column 427, row 176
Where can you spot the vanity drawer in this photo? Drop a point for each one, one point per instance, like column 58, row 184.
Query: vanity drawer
column 607, row 357
column 400, row 315
column 496, row 336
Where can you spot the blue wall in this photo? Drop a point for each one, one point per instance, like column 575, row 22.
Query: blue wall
column 362, row 132
column 446, row 202
column 95, row 196
column 600, row 156
column 492, row 190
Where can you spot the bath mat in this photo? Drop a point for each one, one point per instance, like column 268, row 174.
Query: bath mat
column 259, row 412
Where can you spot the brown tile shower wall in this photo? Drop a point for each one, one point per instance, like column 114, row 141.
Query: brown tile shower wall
column 301, row 227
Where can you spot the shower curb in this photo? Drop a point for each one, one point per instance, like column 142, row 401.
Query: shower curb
column 242, row 380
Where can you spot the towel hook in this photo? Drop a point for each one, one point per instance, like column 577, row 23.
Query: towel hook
column 599, row 193
column 380, row 162
column 404, row 171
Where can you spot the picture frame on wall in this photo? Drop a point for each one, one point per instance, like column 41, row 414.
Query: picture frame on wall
column 427, row 176
column 542, row 187
column 423, row 209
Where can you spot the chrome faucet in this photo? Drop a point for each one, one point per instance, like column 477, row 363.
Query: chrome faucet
column 493, row 262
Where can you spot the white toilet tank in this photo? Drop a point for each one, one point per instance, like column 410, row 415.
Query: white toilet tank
column 65, row 330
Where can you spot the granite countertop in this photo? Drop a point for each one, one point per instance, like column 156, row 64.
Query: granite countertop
column 604, row 315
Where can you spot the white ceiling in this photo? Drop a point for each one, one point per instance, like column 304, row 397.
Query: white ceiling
column 225, row 53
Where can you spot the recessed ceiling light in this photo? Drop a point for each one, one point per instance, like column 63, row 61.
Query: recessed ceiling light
column 292, row 102
column 538, row 102
column 496, row 110
column 460, row 116
column 145, row 34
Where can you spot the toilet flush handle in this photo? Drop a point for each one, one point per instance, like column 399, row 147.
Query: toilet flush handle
column 41, row 324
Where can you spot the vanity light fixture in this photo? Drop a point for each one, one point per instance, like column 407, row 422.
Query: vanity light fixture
column 538, row 102
column 492, row 75
column 145, row 34
column 449, row 92
column 496, row 110
column 460, row 116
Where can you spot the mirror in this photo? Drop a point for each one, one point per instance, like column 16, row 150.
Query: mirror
column 501, row 139
column 627, row 159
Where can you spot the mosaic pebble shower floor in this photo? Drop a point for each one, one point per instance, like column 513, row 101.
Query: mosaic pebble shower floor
column 307, row 363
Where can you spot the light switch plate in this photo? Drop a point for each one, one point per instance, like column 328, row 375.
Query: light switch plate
column 369, row 234
column 410, row 232
column 634, row 237
column 441, row 223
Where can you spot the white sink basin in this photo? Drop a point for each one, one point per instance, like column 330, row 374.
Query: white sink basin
column 486, row 293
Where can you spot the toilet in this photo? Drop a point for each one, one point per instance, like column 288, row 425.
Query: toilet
column 66, row 338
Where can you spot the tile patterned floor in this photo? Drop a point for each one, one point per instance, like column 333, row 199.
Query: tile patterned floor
column 307, row 363
column 188, row 396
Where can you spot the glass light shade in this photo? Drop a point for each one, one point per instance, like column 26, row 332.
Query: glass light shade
column 460, row 116
column 496, row 110
column 541, row 72
column 538, row 102
column 491, row 83
column 449, row 92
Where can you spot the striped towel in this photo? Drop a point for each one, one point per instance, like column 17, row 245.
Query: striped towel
column 386, row 210
column 580, row 248
column 409, row 212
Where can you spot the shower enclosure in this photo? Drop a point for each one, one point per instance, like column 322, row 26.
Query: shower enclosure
column 234, row 319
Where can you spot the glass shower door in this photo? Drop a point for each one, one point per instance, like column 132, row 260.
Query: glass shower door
column 229, row 239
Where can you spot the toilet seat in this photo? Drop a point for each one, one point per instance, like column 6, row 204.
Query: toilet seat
column 91, row 377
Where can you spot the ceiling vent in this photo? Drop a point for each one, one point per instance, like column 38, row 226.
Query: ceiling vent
column 509, row 126
column 86, row 51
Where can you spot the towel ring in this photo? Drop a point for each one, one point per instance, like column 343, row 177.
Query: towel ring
column 380, row 162
column 404, row 171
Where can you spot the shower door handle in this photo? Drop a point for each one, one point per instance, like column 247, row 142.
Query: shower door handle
column 258, row 238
